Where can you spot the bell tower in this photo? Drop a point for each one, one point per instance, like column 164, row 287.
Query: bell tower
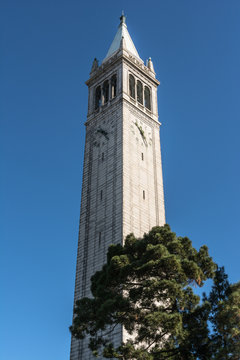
column 122, row 189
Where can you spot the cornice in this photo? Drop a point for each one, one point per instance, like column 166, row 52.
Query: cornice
column 118, row 58
column 140, row 67
column 104, row 67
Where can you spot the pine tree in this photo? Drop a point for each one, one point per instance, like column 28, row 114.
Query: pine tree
column 224, row 302
column 147, row 286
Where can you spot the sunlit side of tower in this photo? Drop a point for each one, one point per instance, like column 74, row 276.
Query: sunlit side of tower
column 122, row 190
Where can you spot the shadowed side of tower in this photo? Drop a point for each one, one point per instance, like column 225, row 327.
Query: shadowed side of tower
column 122, row 190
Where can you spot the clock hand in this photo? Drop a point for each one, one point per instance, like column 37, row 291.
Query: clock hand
column 103, row 132
column 141, row 132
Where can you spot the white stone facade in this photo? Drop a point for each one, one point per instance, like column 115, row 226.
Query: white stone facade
column 122, row 190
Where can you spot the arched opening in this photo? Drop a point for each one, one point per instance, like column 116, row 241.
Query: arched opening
column 147, row 102
column 139, row 92
column 98, row 101
column 114, row 86
column 132, row 86
column 105, row 92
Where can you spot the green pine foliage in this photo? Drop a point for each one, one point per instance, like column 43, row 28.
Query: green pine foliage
column 224, row 300
column 147, row 286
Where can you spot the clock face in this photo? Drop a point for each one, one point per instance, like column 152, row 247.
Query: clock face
column 103, row 132
column 142, row 133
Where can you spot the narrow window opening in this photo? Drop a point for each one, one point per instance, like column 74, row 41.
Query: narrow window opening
column 114, row 86
column 143, row 194
column 103, row 156
column 99, row 238
column 105, row 92
column 142, row 156
column 101, row 195
column 98, row 95
column 139, row 92
column 132, row 86
column 147, row 102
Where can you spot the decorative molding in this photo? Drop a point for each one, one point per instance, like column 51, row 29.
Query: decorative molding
column 141, row 75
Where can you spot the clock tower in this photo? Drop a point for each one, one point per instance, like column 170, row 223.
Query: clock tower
column 122, row 189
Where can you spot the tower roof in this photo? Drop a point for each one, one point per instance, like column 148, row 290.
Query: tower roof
column 122, row 33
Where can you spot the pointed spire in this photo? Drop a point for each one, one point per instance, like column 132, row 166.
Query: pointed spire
column 94, row 65
column 122, row 18
column 118, row 43
column 150, row 65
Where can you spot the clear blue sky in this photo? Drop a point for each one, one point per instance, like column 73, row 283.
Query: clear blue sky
column 47, row 48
